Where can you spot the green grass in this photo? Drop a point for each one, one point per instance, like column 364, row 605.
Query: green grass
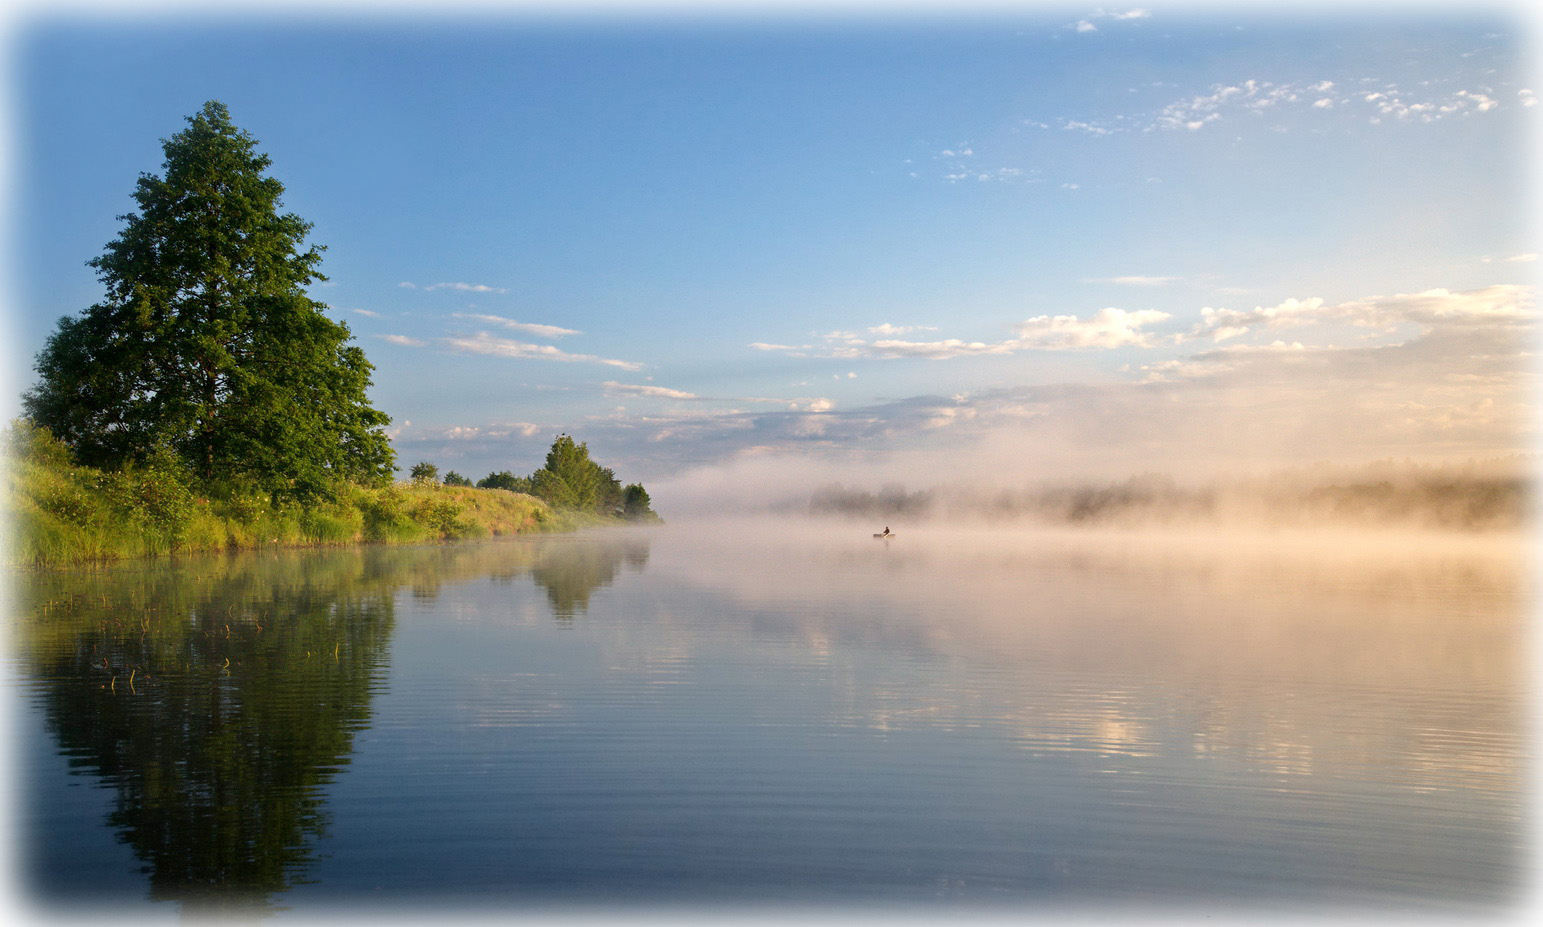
column 58, row 512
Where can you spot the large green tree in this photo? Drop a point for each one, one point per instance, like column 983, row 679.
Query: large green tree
column 207, row 345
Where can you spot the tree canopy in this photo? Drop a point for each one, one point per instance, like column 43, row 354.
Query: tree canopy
column 571, row 480
column 206, row 346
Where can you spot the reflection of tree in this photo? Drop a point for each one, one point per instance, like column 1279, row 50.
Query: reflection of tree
column 570, row 572
column 221, row 695
column 217, row 701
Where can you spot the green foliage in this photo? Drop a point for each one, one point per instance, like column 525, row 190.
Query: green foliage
column 635, row 504
column 455, row 479
column 206, row 348
column 60, row 512
column 553, row 490
column 571, row 480
column 503, row 479
column 424, row 472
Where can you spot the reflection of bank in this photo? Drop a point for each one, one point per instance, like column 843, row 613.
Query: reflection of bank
column 220, row 696
column 218, row 700
column 570, row 573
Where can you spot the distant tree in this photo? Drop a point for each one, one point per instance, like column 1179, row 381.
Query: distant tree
column 503, row 479
column 569, row 479
column 424, row 472
column 609, row 499
column 635, row 504
column 552, row 489
column 206, row 346
column 453, row 478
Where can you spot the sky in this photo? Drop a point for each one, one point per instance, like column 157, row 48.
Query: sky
column 740, row 254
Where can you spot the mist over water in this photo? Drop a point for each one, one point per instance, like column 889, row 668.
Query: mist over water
column 728, row 714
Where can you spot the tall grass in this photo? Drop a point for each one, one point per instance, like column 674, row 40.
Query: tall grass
column 58, row 512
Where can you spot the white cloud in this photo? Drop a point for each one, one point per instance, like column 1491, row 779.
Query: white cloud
column 888, row 329
column 1088, row 127
column 1261, row 96
column 529, row 328
column 402, row 340
column 467, row 287
column 463, row 287
column 483, row 343
column 659, row 392
column 1086, row 25
column 937, row 350
column 763, row 346
column 1494, row 305
column 364, row 312
column 1144, row 281
column 1107, row 328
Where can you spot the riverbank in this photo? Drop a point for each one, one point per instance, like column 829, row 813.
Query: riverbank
column 58, row 513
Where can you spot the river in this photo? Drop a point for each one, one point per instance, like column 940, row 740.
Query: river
column 772, row 716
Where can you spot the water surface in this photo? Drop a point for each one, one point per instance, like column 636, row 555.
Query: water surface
column 781, row 715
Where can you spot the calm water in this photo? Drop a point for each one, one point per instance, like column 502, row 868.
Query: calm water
column 977, row 720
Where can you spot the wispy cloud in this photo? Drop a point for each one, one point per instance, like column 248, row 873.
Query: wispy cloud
column 484, row 343
column 888, row 329
column 1137, row 280
column 403, row 340
column 1376, row 102
column 1107, row 328
column 462, row 287
column 1088, row 24
column 1494, row 305
column 529, row 328
column 499, row 430
column 613, row 388
column 364, row 312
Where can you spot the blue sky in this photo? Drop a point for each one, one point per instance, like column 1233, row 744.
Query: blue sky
column 1049, row 240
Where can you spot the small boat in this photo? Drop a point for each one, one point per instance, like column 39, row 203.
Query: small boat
column 886, row 534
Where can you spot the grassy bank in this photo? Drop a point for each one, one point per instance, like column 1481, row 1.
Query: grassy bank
column 58, row 512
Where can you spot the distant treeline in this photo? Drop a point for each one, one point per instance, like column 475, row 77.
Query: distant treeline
column 1472, row 496
column 569, row 481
